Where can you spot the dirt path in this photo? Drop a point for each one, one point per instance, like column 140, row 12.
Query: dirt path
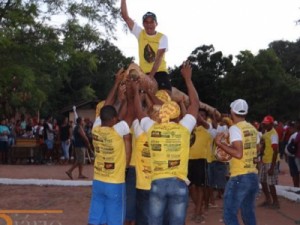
column 57, row 205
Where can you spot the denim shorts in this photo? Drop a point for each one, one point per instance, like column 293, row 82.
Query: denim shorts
column 107, row 203
column 217, row 172
column 49, row 144
column 130, row 194
column 168, row 198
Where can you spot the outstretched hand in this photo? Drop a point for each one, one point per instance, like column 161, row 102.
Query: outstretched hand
column 186, row 70
column 119, row 76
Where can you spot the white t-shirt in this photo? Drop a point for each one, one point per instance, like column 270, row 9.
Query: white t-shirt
column 188, row 121
column 293, row 136
column 121, row 127
column 137, row 128
column 235, row 134
column 97, row 122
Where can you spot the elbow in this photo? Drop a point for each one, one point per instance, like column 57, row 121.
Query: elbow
column 239, row 155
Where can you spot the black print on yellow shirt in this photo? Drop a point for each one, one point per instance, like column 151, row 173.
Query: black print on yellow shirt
column 173, row 163
column 149, row 54
column 109, row 166
column 156, row 147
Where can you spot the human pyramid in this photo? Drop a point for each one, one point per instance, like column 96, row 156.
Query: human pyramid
column 153, row 143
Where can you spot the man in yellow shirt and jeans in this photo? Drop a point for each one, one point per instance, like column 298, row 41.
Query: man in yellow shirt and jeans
column 242, row 187
column 169, row 149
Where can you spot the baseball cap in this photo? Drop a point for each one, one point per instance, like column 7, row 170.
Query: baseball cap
column 239, row 107
column 149, row 14
column 169, row 110
column 268, row 119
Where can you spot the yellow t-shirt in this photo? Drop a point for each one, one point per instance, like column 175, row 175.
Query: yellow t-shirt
column 148, row 47
column 246, row 164
column 201, row 149
column 268, row 152
column 110, row 157
column 132, row 158
column 143, row 162
column 169, row 149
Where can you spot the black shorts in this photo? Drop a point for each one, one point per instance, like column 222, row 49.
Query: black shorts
column 197, row 172
column 163, row 81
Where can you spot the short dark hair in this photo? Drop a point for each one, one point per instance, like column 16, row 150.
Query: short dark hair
column 78, row 120
column 108, row 112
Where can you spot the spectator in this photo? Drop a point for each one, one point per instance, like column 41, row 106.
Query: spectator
column 268, row 173
column 81, row 143
column 4, row 134
column 294, row 172
column 48, row 139
column 65, row 139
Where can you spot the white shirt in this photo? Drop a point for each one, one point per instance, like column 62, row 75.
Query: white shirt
column 188, row 121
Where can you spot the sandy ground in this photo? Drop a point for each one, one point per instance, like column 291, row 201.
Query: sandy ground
column 57, row 205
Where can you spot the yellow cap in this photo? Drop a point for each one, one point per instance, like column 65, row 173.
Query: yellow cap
column 169, row 110
column 99, row 107
column 163, row 96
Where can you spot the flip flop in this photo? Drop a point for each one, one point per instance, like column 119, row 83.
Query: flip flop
column 82, row 177
column 69, row 175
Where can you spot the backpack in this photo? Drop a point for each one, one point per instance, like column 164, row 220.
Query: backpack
column 292, row 147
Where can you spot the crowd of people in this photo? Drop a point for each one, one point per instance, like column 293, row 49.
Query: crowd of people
column 55, row 139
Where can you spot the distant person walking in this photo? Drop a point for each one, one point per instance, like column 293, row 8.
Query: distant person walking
column 81, row 143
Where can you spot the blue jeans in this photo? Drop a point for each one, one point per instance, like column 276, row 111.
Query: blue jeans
column 169, row 198
column 65, row 145
column 240, row 193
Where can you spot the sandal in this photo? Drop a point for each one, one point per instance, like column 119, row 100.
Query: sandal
column 274, row 206
column 199, row 219
column 264, row 204
column 82, row 177
column 69, row 174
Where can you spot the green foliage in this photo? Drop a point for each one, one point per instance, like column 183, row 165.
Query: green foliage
column 263, row 83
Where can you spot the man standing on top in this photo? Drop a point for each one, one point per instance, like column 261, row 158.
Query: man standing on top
column 152, row 47
column 242, row 187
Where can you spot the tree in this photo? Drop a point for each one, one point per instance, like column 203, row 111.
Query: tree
column 46, row 61
column 289, row 54
column 263, row 83
column 209, row 67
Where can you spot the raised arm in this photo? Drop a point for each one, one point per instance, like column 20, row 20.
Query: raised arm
column 125, row 16
column 137, row 102
column 110, row 100
column 186, row 72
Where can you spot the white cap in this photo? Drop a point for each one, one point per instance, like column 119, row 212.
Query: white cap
column 239, row 107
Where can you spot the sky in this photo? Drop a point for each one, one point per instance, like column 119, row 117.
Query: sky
column 230, row 26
